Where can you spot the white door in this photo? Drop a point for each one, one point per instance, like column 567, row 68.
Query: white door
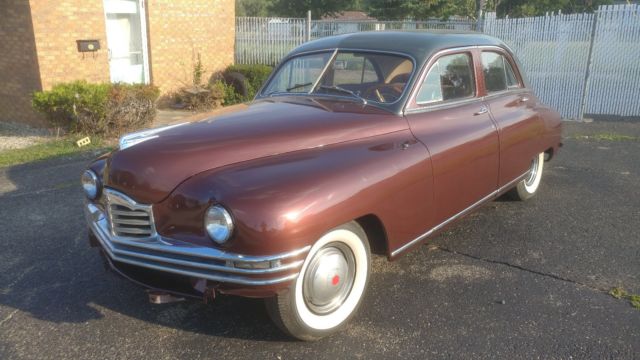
column 127, row 40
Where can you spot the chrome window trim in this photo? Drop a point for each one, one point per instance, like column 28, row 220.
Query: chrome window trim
column 407, row 109
column 458, row 215
column 512, row 61
column 441, row 105
column 405, row 92
column 421, row 82
column 423, row 73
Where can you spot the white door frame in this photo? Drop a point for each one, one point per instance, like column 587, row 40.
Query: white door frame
column 143, row 33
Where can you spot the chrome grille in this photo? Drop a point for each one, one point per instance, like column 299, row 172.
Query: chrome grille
column 128, row 218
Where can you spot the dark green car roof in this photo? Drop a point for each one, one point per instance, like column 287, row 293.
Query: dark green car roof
column 418, row 44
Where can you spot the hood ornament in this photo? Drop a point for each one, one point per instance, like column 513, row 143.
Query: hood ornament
column 134, row 138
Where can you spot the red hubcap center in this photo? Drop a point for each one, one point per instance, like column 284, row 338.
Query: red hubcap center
column 335, row 280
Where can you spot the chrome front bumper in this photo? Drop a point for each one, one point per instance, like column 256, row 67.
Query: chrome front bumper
column 173, row 256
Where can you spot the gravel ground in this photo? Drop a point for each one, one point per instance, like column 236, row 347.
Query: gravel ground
column 18, row 136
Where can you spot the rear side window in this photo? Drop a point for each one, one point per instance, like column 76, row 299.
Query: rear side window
column 450, row 78
column 498, row 72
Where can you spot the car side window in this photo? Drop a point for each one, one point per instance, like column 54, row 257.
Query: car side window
column 449, row 78
column 498, row 72
column 352, row 68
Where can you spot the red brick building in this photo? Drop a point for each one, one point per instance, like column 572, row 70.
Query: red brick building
column 46, row 42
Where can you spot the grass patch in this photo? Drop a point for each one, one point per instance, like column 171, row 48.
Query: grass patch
column 607, row 137
column 48, row 150
column 620, row 293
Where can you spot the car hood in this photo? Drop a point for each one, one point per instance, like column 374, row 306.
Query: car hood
column 149, row 171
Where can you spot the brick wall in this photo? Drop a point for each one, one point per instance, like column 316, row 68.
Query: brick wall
column 38, row 46
column 19, row 75
column 179, row 30
column 57, row 25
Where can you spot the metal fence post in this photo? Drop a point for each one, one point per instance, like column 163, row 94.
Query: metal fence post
column 308, row 34
column 585, row 89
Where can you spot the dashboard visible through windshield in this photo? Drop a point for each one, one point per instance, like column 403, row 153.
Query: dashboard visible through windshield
column 365, row 76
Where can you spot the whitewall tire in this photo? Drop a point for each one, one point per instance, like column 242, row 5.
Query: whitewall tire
column 330, row 287
column 529, row 185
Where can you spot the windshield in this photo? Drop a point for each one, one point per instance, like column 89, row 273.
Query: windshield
column 365, row 76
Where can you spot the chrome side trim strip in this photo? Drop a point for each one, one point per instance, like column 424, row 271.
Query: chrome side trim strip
column 461, row 213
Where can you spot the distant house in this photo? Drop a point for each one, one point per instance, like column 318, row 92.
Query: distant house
column 136, row 41
column 342, row 23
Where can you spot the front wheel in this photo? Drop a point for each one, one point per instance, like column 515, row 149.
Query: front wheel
column 330, row 287
column 529, row 185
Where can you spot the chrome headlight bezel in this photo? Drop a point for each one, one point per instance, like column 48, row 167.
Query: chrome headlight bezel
column 218, row 224
column 91, row 184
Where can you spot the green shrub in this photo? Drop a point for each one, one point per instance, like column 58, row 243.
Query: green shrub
column 68, row 105
column 230, row 95
column 256, row 75
column 97, row 109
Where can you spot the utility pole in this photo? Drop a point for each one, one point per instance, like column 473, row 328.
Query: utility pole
column 308, row 34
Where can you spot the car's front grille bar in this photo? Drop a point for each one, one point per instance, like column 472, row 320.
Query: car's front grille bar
column 128, row 218
column 176, row 257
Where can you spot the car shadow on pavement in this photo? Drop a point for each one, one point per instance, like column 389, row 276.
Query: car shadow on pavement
column 49, row 271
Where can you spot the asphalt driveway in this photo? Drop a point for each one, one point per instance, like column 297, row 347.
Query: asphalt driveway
column 514, row 280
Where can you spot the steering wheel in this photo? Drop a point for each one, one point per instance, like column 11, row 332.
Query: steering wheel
column 384, row 93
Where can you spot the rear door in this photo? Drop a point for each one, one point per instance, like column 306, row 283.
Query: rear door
column 513, row 107
column 449, row 117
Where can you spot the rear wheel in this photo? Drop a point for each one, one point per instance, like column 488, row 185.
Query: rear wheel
column 529, row 185
column 330, row 287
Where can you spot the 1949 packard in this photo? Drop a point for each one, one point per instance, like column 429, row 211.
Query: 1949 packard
column 361, row 143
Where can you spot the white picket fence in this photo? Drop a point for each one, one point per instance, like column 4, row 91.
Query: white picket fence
column 578, row 63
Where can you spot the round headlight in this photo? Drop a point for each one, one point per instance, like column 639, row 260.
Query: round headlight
column 90, row 184
column 218, row 223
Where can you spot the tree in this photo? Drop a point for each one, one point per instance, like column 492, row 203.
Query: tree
column 319, row 8
column 253, row 7
column 522, row 8
column 422, row 9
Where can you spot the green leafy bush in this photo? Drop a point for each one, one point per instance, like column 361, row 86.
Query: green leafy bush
column 255, row 76
column 97, row 109
column 65, row 104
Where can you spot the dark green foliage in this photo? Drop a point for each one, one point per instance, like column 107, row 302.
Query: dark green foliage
column 319, row 8
column 253, row 8
column 443, row 9
column 97, row 109
column 256, row 75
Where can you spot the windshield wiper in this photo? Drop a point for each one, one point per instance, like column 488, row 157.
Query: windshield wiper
column 344, row 91
column 298, row 86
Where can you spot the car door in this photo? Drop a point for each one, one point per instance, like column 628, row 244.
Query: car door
column 448, row 116
column 513, row 108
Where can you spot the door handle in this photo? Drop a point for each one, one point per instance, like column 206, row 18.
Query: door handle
column 524, row 98
column 483, row 110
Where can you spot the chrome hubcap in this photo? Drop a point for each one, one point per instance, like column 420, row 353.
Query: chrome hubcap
column 533, row 172
column 329, row 278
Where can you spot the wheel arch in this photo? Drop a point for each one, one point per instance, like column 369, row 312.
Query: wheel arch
column 376, row 233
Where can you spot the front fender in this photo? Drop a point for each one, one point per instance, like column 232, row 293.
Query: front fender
column 288, row 201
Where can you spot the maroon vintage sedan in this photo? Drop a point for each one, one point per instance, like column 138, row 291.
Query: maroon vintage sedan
column 360, row 143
